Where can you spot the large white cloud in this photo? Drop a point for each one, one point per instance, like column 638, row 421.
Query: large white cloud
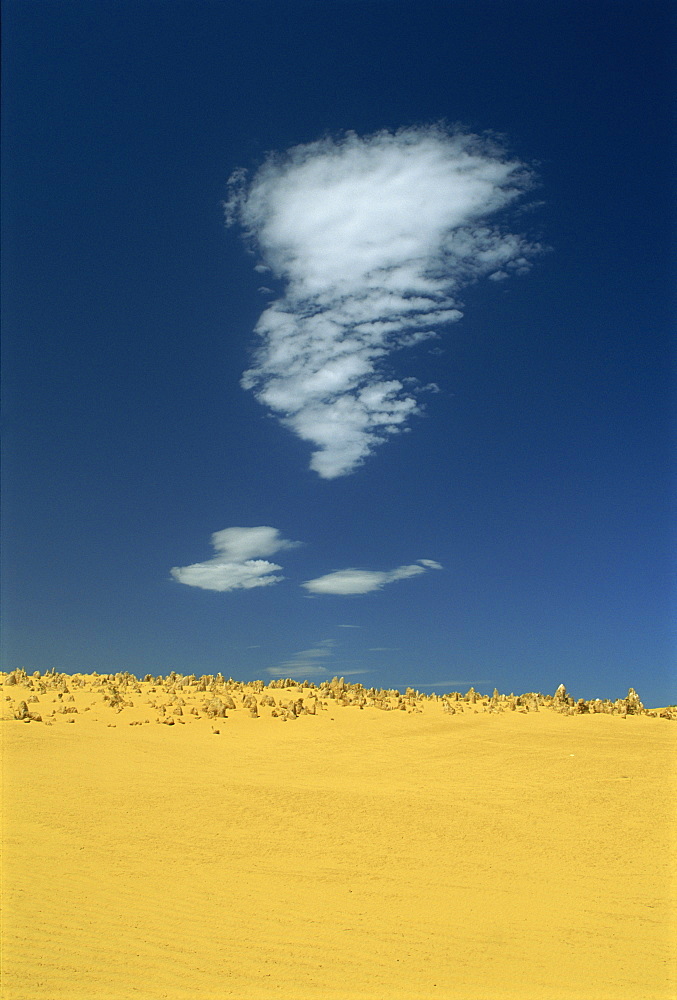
column 363, row 581
column 235, row 565
column 372, row 238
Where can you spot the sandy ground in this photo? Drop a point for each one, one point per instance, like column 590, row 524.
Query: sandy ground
column 489, row 853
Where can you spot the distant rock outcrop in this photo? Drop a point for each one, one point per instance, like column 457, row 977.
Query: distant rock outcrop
column 633, row 705
column 560, row 697
column 185, row 700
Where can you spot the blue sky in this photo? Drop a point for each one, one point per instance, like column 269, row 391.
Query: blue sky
column 446, row 277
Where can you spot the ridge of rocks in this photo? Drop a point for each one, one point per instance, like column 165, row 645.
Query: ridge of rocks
column 165, row 695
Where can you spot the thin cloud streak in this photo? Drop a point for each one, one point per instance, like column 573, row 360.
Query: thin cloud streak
column 448, row 684
column 306, row 663
column 235, row 566
column 372, row 239
column 364, row 581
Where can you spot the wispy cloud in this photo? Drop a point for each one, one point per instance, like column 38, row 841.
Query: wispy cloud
column 235, row 565
column 363, row 581
column 448, row 685
column 372, row 239
column 305, row 664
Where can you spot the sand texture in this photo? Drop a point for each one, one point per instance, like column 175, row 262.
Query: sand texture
column 198, row 839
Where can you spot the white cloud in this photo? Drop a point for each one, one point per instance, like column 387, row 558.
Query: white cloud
column 235, row 566
column 363, row 581
column 305, row 664
column 372, row 238
column 298, row 671
column 452, row 685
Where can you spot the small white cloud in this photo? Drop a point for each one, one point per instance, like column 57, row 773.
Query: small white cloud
column 299, row 671
column 452, row 685
column 235, row 566
column 364, row 581
column 223, row 576
column 431, row 564
column 305, row 664
column 350, row 626
column 372, row 238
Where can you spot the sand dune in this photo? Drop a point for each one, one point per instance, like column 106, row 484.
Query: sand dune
column 189, row 838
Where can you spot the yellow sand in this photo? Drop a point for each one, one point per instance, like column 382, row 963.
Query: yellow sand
column 357, row 853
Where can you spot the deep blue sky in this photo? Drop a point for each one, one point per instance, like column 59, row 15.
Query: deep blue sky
column 541, row 474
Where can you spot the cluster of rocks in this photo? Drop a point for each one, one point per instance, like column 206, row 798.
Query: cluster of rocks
column 630, row 705
column 169, row 697
column 561, row 702
column 22, row 713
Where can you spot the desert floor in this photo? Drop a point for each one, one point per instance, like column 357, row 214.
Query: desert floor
column 354, row 853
